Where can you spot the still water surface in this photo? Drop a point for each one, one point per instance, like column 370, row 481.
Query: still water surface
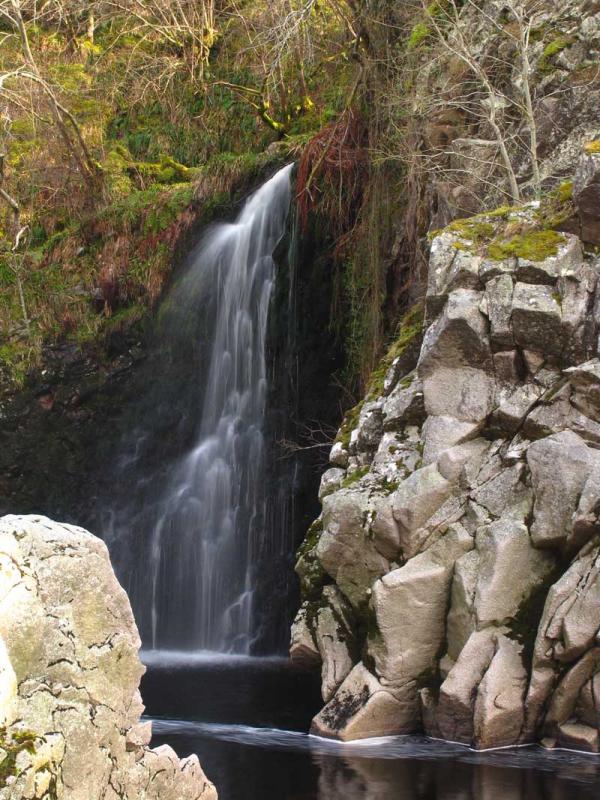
column 246, row 719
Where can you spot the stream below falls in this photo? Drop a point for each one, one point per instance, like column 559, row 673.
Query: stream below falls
column 246, row 719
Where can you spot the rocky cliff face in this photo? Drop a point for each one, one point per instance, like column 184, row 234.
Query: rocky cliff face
column 69, row 676
column 452, row 581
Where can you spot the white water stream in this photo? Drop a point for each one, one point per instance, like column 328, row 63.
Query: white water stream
column 202, row 558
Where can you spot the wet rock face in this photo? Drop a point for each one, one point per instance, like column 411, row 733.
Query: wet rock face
column 70, row 672
column 462, row 521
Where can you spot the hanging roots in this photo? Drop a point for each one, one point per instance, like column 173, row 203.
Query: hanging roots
column 331, row 173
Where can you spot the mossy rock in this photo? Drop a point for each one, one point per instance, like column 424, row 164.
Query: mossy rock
column 354, row 477
column 409, row 328
column 527, row 231
column 551, row 50
column 11, row 744
column 531, row 245
column 308, row 567
column 349, row 423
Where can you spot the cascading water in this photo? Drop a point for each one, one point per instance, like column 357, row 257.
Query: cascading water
column 193, row 581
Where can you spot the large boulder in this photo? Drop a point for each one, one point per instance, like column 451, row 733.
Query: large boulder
column 346, row 549
column 481, row 702
column 509, row 571
column 561, row 466
column 303, row 646
column 335, row 640
column 536, row 318
column 561, row 720
column 362, row 708
column 585, row 380
column 410, row 606
column 456, row 363
column 499, row 708
column 456, row 704
column 461, row 621
column 70, row 674
column 415, row 502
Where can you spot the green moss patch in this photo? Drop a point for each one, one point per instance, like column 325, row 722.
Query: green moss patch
column 473, row 229
column 419, row 34
column 556, row 207
column 551, row 50
column 527, row 232
column 422, row 30
column 409, row 327
column 531, row 245
column 354, row 477
column 308, row 567
column 349, row 424
column 388, row 486
column 13, row 743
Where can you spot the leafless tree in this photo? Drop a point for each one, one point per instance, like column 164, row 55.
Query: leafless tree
column 286, row 42
column 187, row 27
column 485, row 96
column 29, row 72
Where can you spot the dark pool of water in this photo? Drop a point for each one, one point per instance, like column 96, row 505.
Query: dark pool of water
column 246, row 720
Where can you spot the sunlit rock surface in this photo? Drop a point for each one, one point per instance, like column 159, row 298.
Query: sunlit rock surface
column 464, row 528
column 69, row 676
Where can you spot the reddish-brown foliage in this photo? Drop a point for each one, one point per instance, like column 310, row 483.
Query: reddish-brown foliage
column 331, row 172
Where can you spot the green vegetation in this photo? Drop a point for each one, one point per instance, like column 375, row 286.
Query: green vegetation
column 422, row 30
column 355, row 477
column 556, row 207
column 106, row 269
column 551, row 50
column 11, row 744
column 387, row 486
column 474, row 229
column 527, row 232
column 311, row 539
column 138, row 129
column 349, row 423
column 139, row 148
column 409, row 328
column 308, row 567
column 532, row 246
column 419, row 34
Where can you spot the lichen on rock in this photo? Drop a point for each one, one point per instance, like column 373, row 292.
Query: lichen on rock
column 70, row 705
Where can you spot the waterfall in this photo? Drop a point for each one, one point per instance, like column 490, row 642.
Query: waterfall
column 193, row 581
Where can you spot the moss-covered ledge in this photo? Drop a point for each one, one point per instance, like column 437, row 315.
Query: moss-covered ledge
column 531, row 231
